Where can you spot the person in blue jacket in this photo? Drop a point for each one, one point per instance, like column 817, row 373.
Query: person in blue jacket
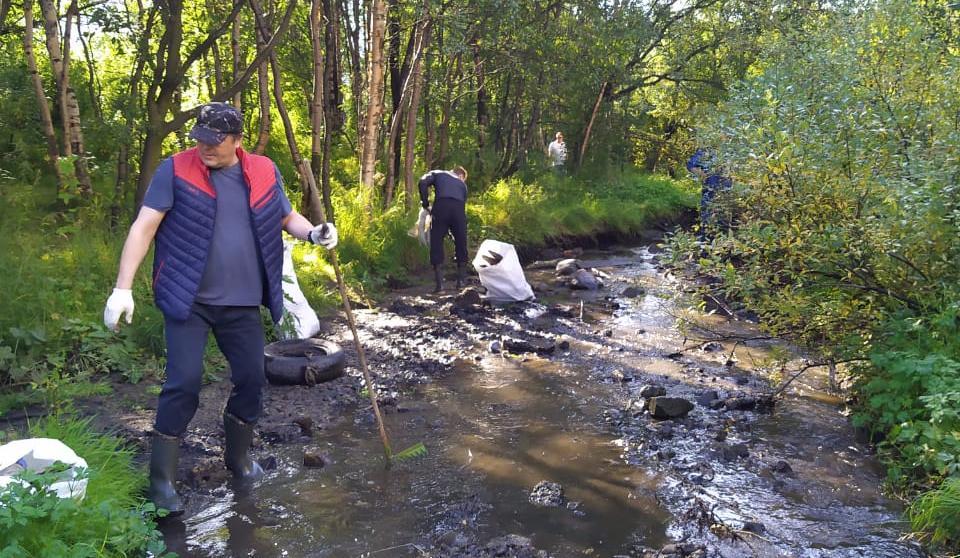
column 710, row 174
column 449, row 215
column 216, row 213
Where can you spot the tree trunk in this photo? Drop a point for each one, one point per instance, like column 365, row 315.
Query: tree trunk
column 217, row 68
column 235, row 52
column 311, row 199
column 173, row 69
column 93, row 82
column 129, row 111
column 531, row 138
column 60, row 61
column 371, row 128
column 399, row 91
column 593, row 116
column 53, row 150
column 502, row 116
column 332, row 110
column 263, row 95
column 4, row 9
column 316, row 99
column 412, row 110
column 482, row 117
column 403, row 105
column 429, row 126
column 352, row 31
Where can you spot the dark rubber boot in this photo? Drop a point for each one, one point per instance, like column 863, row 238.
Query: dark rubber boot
column 164, row 455
column 438, row 278
column 461, row 275
column 238, row 437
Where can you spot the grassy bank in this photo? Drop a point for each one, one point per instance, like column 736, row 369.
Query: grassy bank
column 527, row 214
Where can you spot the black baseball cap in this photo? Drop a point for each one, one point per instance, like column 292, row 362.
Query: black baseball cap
column 215, row 121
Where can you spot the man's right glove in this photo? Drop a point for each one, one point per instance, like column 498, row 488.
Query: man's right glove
column 119, row 303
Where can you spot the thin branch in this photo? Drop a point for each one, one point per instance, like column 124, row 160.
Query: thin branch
column 777, row 392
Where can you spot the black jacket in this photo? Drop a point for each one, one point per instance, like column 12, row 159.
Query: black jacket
column 447, row 184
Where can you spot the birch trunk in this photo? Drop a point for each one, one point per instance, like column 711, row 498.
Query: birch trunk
column 371, row 127
column 53, row 150
column 70, row 108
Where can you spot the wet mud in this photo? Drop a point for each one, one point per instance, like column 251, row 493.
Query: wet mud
column 586, row 423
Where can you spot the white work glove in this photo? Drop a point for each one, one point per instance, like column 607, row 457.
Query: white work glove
column 119, row 303
column 325, row 235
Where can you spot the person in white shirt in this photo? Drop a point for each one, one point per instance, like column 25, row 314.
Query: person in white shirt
column 557, row 151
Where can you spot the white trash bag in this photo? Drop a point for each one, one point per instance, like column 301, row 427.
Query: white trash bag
column 36, row 454
column 421, row 229
column 500, row 272
column 299, row 319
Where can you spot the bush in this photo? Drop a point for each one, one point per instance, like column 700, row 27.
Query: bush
column 111, row 521
column 844, row 152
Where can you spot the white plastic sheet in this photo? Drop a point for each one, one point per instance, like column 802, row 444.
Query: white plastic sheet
column 36, row 454
column 299, row 319
column 501, row 273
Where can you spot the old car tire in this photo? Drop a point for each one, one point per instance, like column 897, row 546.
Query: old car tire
column 303, row 361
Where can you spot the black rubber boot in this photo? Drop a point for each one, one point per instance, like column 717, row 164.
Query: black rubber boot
column 438, row 278
column 164, row 455
column 238, row 437
column 461, row 275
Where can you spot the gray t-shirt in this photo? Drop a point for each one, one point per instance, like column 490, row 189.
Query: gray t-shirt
column 233, row 275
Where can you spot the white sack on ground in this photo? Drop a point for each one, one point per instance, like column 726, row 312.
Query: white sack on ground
column 37, row 454
column 299, row 320
column 500, row 272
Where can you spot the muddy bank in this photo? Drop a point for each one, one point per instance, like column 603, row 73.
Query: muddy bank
column 584, row 423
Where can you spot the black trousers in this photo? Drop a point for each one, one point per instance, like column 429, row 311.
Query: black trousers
column 239, row 334
column 449, row 216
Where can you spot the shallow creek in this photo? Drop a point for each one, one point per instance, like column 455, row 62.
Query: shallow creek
column 796, row 483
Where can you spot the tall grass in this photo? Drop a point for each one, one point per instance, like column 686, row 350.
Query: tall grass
column 534, row 214
column 937, row 514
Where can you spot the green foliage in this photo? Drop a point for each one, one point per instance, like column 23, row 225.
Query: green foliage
column 53, row 346
column 843, row 158
column 911, row 394
column 111, row 521
column 843, row 147
column 533, row 214
column 937, row 513
column 375, row 246
column 913, row 400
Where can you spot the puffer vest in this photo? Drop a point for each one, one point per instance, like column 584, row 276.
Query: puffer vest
column 184, row 236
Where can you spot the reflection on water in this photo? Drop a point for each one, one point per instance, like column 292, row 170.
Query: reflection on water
column 493, row 432
column 497, row 427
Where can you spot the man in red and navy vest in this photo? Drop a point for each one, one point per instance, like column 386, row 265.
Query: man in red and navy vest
column 216, row 213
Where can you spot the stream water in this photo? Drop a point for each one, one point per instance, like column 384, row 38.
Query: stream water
column 498, row 425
